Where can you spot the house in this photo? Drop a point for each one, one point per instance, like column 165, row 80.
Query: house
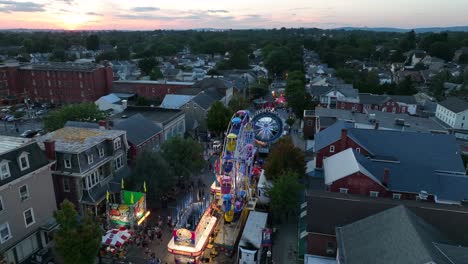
column 125, row 70
column 173, row 74
column 395, row 164
column 453, row 112
column 172, row 121
column 384, row 103
column 415, row 56
column 415, row 76
column 89, row 162
column 111, row 103
column 175, row 101
column 142, row 134
column 338, row 210
column 27, row 202
column 197, row 109
column 329, row 96
column 459, row 53
column 408, row 239
column 151, row 90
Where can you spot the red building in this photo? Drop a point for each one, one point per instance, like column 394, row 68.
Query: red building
column 393, row 164
column 57, row 82
column 152, row 90
column 384, row 103
column 8, row 82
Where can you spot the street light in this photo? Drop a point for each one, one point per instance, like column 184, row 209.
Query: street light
column 268, row 256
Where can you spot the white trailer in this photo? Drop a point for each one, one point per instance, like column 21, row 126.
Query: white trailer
column 250, row 245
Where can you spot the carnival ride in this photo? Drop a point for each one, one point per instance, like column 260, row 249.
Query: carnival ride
column 236, row 169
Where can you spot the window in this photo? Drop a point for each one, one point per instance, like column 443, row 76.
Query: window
column 343, row 190
column 24, row 192
column 332, row 148
column 24, row 161
column 117, row 143
column 1, row 204
column 29, row 217
column 66, row 185
column 90, row 158
column 101, row 152
column 4, row 232
column 358, row 150
column 4, row 170
column 102, row 173
column 397, row 196
column 463, row 117
column 67, row 163
column 310, row 123
column 92, row 180
column 118, row 163
column 374, row 194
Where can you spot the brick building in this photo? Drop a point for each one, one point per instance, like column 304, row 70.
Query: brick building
column 56, row 82
column 384, row 103
column 151, row 90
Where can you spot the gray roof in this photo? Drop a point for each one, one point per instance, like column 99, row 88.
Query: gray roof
column 175, row 101
column 407, row 99
column 211, row 83
column 395, row 235
column 456, row 254
column 12, row 148
column 63, row 66
column 207, row 98
column 156, row 114
column 455, row 105
column 77, row 140
column 424, row 162
column 366, row 98
column 81, row 124
column 317, row 90
column 330, row 135
column 139, row 129
column 337, row 209
column 347, row 90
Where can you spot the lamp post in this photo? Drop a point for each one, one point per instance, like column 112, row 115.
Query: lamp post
column 268, row 256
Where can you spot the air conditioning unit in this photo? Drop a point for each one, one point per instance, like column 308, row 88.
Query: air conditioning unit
column 330, row 251
column 423, row 195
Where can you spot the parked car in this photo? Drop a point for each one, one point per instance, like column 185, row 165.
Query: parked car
column 29, row 133
column 41, row 112
column 9, row 118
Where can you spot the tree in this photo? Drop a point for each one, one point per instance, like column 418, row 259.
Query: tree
column 152, row 168
column 108, row 55
column 239, row 60
column 78, row 239
column 142, row 101
column 184, row 155
column 278, row 61
column 147, row 65
column 78, row 112
column 259, row 89
column 441, row 50
column 283, row 157
column 218, row 117
column 296, row 96
column 122, row 52
column 92, row 42
column 284, row 195
column 238, row 103
column 406, row 87
column 156, row 74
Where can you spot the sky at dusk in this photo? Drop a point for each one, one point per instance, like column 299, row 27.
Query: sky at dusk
column 238, row 14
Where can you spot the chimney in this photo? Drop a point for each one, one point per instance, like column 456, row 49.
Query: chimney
column 376, row 126
column 124, row 104
column 386, row 177
column 344, row 139
column 50, row 149
column 102, row 124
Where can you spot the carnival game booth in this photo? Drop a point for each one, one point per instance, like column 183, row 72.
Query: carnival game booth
column 195, row 223
column 131, row 212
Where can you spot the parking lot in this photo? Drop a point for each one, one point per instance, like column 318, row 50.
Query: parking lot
column 15, row 128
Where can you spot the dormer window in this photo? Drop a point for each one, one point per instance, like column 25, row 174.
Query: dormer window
column 101, row 152
column 90, row 158
column 23, row 161
column 117, row 143
column 332, row 148
column 4, row 170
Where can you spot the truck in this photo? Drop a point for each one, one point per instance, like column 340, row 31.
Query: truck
column 250, row 245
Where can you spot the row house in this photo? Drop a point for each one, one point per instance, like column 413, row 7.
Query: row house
column 384, row 103
column 27, row 201
column 394, row 164
column 89, row 162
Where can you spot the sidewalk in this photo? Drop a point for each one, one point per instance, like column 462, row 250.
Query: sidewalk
column 285, row 244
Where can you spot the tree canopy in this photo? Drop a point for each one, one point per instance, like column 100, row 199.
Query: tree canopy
column 152, row 168
column 78, row 239
column 92, row 42
column 78, row 112
column 284, row 195
column 184, row 155
column 238, row 103
column 295, row 92
column 147, row 65
column 259, row 89
column 283, row 157
column 218, row 118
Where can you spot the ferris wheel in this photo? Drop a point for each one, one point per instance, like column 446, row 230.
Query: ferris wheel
column 267, row 126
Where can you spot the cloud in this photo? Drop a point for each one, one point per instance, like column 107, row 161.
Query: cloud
column 15, row 6
column 145, row 9
column 217, row 11
column 93, row 14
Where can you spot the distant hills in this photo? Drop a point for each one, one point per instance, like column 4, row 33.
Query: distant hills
column 417, row 30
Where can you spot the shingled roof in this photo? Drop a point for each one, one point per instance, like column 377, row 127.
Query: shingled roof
column 139, row 129
column 395, row 235
column 454, row 104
